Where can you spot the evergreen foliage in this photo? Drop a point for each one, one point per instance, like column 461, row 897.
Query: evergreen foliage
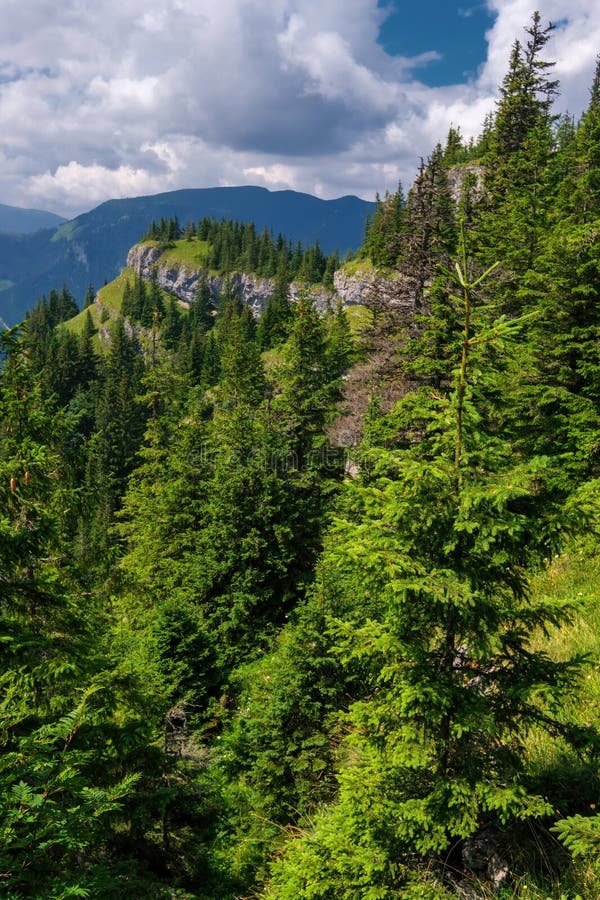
column 239, row 661
column 443, row 534
column 236, row 246
column 385, row 229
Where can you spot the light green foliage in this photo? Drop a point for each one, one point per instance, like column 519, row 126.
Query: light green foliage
column 580, row 834
column 54, row 821
column 227, row 668
column 192, row 253
column 442, row 533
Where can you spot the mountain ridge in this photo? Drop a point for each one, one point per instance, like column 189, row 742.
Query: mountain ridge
column 20, row 220
column 93, row 247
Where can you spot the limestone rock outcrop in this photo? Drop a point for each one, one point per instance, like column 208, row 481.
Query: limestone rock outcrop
column 365, row 287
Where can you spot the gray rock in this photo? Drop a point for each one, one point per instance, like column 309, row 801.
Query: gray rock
column 481, row 857
column 182, row 281
column 254, row 290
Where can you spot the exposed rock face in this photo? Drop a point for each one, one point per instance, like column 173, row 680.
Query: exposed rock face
column 142, row 257
column 369, row 288
column 457, row 175
column 178, row 280
column 350, row 288
column 365, row 287
column 182, row 281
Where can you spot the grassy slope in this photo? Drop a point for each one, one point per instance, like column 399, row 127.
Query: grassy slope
column 193, row 254
column 358, row 319
column 573, row 578
column 360, row 265
column 107, row 306
column 109, row 299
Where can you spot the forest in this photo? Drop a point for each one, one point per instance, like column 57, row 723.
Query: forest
column 309, row 607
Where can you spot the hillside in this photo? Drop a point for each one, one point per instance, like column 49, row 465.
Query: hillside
column 92, row 248
column 304, row 606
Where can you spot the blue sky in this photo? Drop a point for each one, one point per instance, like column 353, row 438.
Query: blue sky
column 456, row 33
column 331, row 97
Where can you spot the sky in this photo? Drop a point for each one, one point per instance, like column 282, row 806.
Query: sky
column 332, row 97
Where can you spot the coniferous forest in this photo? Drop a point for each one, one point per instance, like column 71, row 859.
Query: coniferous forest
column 248, row 652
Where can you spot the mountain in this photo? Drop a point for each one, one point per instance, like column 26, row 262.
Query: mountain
column 14, row 220
column 92, row 248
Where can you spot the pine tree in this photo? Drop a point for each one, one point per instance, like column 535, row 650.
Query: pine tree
column 305, row 396
column 385, row 230
column 201, row 307
column 152, row 306
column 211, row 361
column 85, row 352
column 439, row 536
column 119, row 420
column 71, row 734
column 340, row 342
column 128, row 310
column 275, row 320
column 454, row 149
column 517, row 181
column 562, row 395
column 90, row 296
column 430, row 225
column 50, row 812
column 331, row 266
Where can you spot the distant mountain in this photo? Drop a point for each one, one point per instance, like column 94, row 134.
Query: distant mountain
column 14, row 220
column 93, row 247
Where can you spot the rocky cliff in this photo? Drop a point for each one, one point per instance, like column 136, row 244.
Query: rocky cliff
column 254, row 291
column 370, row 288
column 182, row 281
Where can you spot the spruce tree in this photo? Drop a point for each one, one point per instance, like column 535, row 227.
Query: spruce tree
column 430, row 225
column 386, row 229
column 275, row 320
column 60, row 795
column 439, row 536
column 518, row 186
column 201, row 307
column 562, row 394
column 90, row 296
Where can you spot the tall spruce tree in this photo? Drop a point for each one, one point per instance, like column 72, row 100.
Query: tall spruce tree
column 60, row 792
column 430, row 225
column 440, row 536
column 562, row 395
column 517, row 181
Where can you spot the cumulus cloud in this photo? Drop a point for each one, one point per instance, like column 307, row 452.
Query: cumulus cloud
column 574, row 44
column 89, row 185
column 105, row 100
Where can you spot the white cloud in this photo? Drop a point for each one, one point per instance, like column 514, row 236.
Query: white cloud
column 91, row 184
column 276, row 176
column 330, row 69
column 574, row 44
column 101, row 100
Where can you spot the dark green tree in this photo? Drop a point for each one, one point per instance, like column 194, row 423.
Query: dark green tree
column 201, row 307
column 562, row 394
column 90, row 296
column 517, row 182
column 430, row 225
column 386, row 229
column 275, row 320
column 440, row 535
